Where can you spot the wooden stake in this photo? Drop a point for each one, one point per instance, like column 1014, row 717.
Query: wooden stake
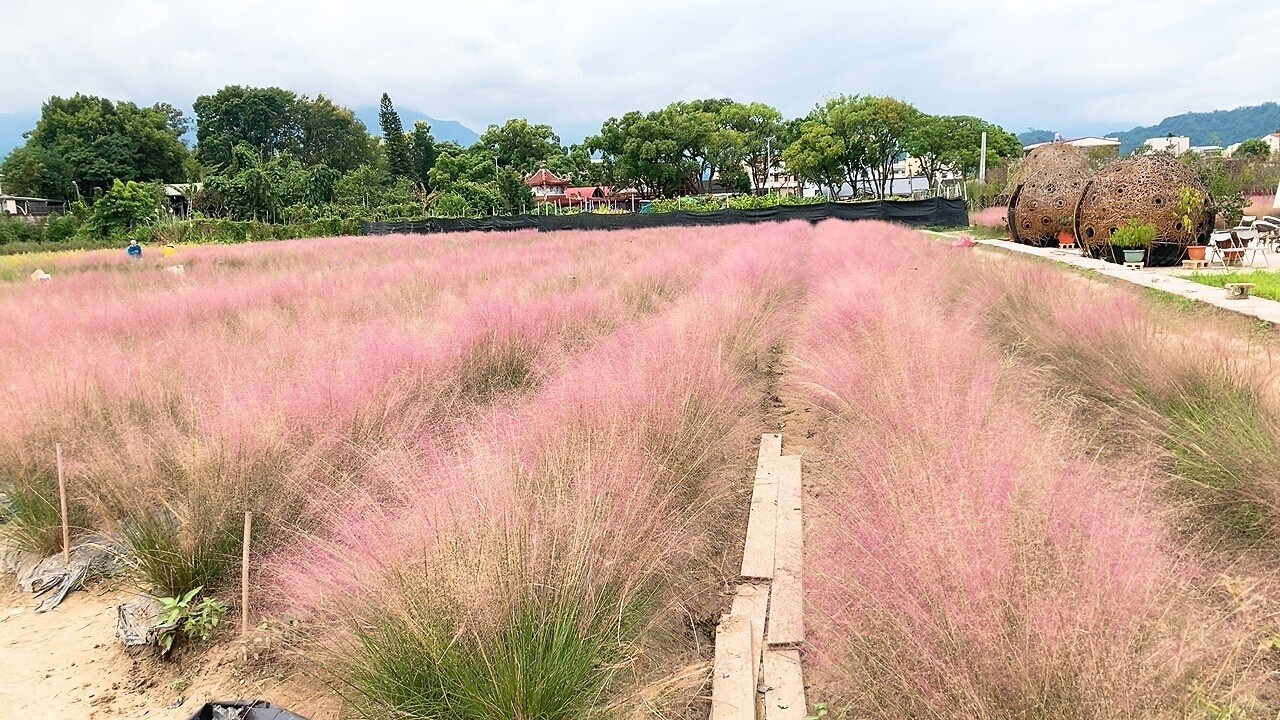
column 244, row 575
column 62, row 502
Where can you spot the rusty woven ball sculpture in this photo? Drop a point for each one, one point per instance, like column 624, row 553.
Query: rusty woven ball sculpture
column 1046, row 191
column 1145, row 188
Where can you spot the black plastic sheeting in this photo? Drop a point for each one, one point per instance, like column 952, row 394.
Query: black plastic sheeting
column 931, row 212
column 243, row 710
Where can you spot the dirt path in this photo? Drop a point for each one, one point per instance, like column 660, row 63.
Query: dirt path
column 67, row 665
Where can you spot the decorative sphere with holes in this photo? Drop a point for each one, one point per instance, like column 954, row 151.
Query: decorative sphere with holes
column 1145, row 188
column 1047, row 187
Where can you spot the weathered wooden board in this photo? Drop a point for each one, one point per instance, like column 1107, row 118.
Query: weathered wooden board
column 751, row 601
column 770, row 447
column 733, row 681
column 784, row 686
column 786, row 603
column 758, row 550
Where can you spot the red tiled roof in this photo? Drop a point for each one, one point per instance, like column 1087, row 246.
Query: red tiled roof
column 587, row 192
column 545, row 177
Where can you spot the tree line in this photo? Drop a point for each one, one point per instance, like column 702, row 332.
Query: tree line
column 272, row 155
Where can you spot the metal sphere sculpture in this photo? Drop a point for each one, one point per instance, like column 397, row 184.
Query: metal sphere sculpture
column 1047, row 188
column 1148, row 189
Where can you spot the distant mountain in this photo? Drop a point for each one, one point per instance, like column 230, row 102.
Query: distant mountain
column 12, row 125
column 444, row 130
column 1033, row 136
column 1225, row 127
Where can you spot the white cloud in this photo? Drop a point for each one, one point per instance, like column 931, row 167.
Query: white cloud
column 1083, row 63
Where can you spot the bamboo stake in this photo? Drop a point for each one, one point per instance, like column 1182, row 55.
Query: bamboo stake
column 62, row 502
column 244, row 575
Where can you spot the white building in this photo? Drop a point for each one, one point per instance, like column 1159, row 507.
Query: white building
column 1176, row 144
column 1087, row 143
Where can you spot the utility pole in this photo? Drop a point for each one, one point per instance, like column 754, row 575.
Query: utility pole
column 982, row 159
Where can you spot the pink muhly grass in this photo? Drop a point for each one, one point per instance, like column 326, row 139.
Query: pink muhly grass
column 609, row 487
column 992, row 217
column 961, row 561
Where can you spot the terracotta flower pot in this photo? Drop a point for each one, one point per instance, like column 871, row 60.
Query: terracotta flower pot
column 1195, row 252
column 1066, row 239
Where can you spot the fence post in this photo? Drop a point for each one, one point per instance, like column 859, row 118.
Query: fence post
column 244, row 574
column 62, row 503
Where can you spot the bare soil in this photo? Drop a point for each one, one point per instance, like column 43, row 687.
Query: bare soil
column 67, row 664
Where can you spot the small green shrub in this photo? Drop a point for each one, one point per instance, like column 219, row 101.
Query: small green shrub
column 196, row 622
column 1133, row 235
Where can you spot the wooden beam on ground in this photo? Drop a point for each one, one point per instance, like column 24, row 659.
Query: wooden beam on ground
column 752, row 602
column 770, row 447
column 786, row 603
column 783, row 686
column 733, row 682
column 758, row 550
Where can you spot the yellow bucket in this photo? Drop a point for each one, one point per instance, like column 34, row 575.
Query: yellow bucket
column 169, row 251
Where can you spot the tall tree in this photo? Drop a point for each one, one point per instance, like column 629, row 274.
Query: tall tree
column 331, row 135
column 265, row 119
column 423, row 153
column 522, row 146
column 91, row 141
column 398, row 161
column 760, row 130
column 817, row 156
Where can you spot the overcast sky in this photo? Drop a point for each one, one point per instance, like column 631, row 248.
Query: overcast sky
column 1079, row 66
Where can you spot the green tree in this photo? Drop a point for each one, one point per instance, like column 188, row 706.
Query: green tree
column 954, row 142
column 522, row 146
column 331, row 135
column 264, row 119
column 399, row 163
column 643, row 151
column 817, row 156
column 761, row 133
column 92, row 141
column 1255, row 149
column 423, row 153
column 516, row 196
column 124, row 206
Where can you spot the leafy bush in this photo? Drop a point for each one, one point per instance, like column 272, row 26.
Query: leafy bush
column 30, row 518
column 125, row 206
column 13, row 230
column 195, row 622
column 1133, row 235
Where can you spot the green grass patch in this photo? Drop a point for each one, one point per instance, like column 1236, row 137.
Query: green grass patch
column 29, row 516
column 1266, row 284
column 551, row 658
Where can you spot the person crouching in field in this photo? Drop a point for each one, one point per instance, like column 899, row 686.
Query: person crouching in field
column 134, row 249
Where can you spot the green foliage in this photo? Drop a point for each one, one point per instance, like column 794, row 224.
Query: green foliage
column 1190, row 207
column 196, row 622
column 516, row 197
column 1229, row 126
column 519, row 145
column 168, row 555
column 423, row 153
column 13, row 230
column 551, row 659
column 708, row 203
column 817, row 156
column 1255, row 149
column 1225, row 196
column 125, row 206
column 1266, row 284
column 399, row 161
column 1133, row 235
column 272, row 122
column 955, row 142
column 30, row 518
column 93, row 142
column 451, row 205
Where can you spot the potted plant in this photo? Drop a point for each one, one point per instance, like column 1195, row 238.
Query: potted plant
column 1190, row 210
column 1066, row 238
column 1133, row 238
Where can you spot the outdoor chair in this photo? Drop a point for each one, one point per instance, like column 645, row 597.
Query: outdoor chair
column 1252, row 244
column 1268, row 231
column 1246, row 221
column 1215, row 246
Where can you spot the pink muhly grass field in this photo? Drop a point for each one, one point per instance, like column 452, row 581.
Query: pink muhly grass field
column 992, row 217
column 962, row 561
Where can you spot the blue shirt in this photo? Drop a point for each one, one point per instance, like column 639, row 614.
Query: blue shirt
column 134, row 251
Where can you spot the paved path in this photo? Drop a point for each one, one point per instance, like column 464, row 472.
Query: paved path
column 1162, row 279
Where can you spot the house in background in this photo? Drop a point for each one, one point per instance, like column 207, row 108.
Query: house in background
column 1093, row 145
column 30, row 208
column 551, row 189
column 1176, row 144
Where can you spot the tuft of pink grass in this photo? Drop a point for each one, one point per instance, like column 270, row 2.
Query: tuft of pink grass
column 992, row 217
column 962, row 561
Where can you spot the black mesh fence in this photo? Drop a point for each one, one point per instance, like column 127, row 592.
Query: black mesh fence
column 931, row 212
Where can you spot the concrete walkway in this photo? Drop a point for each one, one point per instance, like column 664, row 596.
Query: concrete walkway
column 1163, row 279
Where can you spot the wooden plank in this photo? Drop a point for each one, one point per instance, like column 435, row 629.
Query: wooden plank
column 733, row 680
column 752, row 602
column 770, row 447
column 758, row 550
column 786, row 602
column 783, row 686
